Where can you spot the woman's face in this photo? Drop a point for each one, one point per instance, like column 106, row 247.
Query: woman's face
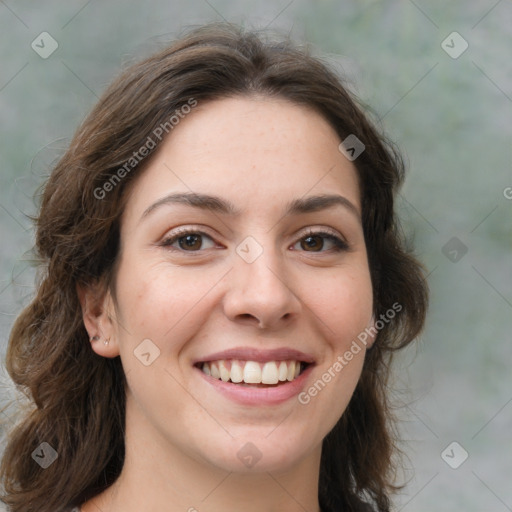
column 230, row 266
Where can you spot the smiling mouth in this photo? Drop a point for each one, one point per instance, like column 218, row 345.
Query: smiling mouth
column 253, row 373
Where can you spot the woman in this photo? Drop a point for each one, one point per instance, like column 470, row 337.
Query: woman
column 223, row 287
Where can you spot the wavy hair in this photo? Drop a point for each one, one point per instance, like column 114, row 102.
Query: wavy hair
column 77, row 397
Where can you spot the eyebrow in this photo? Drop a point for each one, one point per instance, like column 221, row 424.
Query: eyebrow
column 219, row 205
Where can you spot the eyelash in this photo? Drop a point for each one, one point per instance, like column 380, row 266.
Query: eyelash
column 340, row 245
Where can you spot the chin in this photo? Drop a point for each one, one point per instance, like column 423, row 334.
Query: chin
column 261, row 452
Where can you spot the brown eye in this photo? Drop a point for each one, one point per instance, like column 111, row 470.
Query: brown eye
column 320, row 241
column 192, row 242
column 188, row 241
column 313, row 243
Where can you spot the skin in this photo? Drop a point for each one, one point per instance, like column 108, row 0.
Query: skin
column 182, row 435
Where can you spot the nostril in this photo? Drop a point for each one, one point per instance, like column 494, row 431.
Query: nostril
column 247, row 317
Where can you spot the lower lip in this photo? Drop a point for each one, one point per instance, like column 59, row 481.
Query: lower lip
column 246, row 395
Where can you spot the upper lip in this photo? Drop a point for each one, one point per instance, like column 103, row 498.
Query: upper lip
column 258, row 355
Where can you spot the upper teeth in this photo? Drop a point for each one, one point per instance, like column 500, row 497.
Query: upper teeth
column 252, row 372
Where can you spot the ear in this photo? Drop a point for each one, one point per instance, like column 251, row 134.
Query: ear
column 98, row 315
column 372, row 333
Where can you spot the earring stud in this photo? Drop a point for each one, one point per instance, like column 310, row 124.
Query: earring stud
column 106, row 341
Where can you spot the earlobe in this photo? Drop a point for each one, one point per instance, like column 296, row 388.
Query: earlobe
column 102, row 346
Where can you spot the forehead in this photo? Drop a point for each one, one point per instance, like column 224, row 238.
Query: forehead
column 255, row 151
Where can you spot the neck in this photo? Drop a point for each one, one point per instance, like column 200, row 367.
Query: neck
column 159, row 476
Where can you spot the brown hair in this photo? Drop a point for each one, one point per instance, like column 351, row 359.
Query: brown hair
column 79, row 398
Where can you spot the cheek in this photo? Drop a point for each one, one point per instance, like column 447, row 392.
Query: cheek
column 344, row 304
column 164, row 305
column 159, row 302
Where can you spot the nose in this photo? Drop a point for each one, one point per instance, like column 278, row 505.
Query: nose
column 261, row 293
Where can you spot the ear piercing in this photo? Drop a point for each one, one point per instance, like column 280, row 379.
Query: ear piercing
column 106, row 341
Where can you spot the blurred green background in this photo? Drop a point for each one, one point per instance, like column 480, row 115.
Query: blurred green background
column 450, row 112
